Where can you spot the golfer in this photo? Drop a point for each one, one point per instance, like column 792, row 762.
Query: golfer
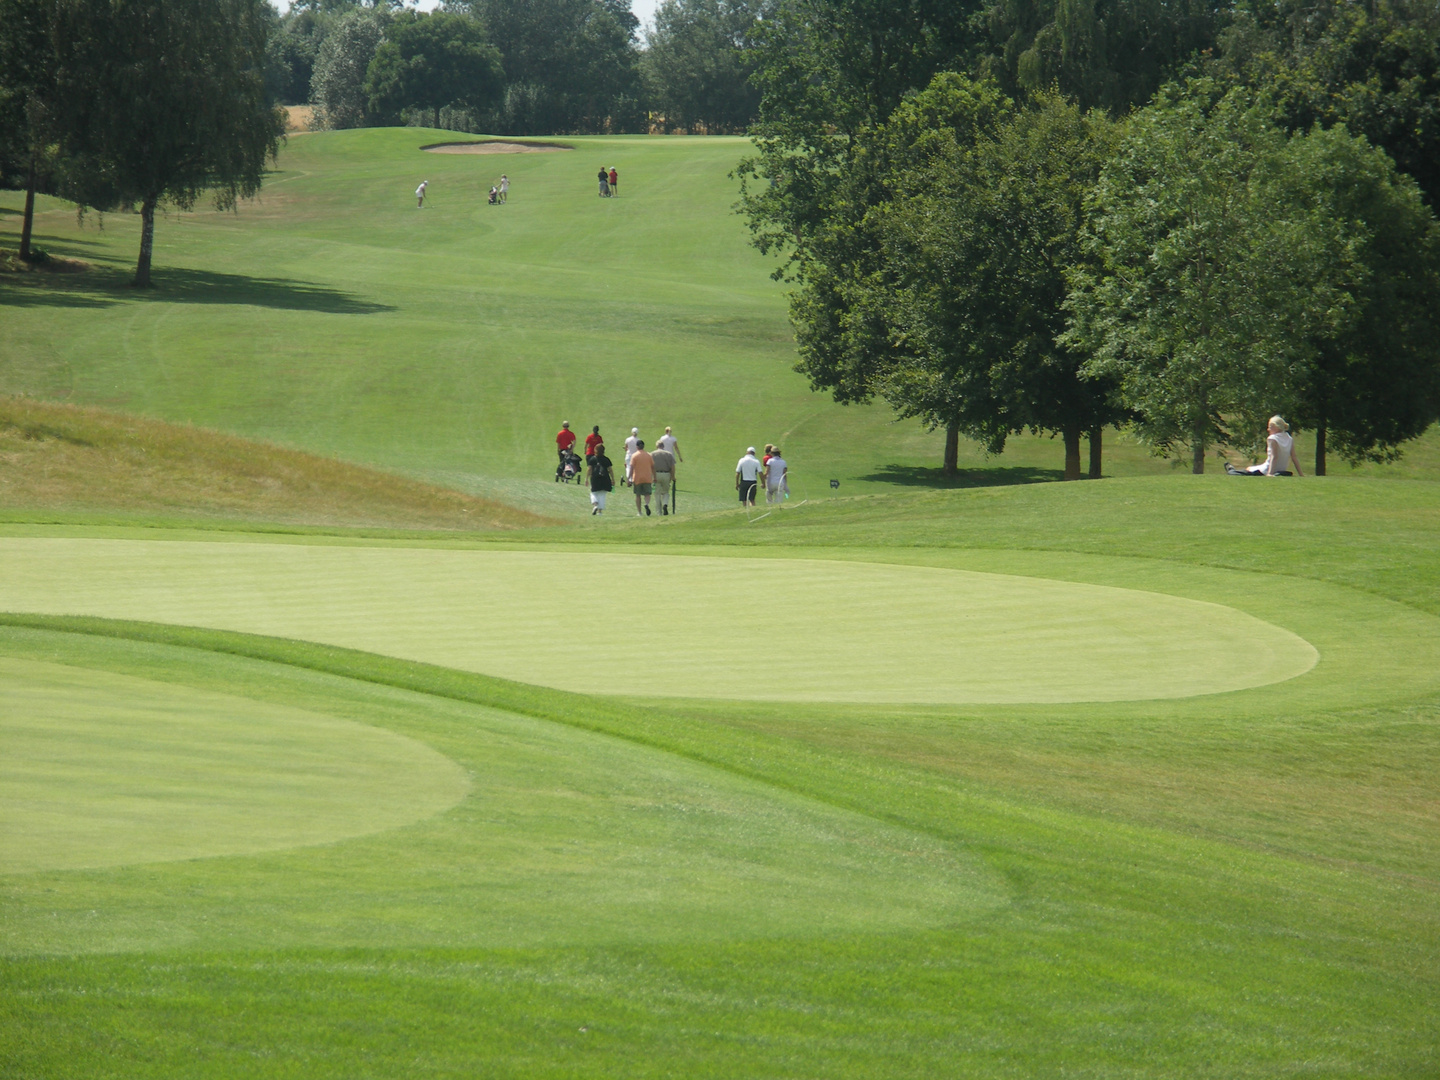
column 664, row 462
column 776, row 487
column 591, row 441
column 747, row 475
column 604, row 178
column 599, row 474
column 642, row 475
column 564, row 440
column 630, row 444
column 504, row 187
column 669, row 442
column 614, row 181
column 1279, row 453
column 420, row 194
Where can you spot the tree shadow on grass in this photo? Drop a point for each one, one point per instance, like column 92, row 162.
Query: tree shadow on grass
column 999, row 476
column 104, row 286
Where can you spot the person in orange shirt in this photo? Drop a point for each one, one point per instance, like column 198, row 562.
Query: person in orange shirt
column 642, row 476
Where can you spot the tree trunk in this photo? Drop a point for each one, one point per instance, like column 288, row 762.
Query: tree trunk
column 1321, row 431
column 1095, row 436
column 1072, row 451
column 1197, row 448
column 147, row 242
column 952, row 451
column 28, row 225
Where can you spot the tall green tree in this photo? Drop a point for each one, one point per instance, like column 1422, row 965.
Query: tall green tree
column 698, row 62
column 571, row 66
column 337, row 87
column 164, row 101
column 979, row 240
column 1172, row 299
column 431, row 62
column 29, row 102
column 1354, row 254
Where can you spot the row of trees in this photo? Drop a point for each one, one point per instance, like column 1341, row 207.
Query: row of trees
column 1099, row 224
column 532, row 67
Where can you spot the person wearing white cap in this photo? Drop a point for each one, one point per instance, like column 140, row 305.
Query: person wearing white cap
column 747, row 475
column 630, row 444
column 420, row 194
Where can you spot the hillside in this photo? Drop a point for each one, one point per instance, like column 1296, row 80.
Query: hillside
column 64, row 462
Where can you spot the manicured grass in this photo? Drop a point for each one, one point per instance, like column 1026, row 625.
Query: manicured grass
column 332, row 315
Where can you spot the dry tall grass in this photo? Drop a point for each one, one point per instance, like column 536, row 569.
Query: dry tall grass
column 65, row 458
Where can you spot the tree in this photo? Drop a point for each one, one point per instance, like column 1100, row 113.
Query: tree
column 570, row 65
column 1374, row 67
column 1102, row 54
column 431, row 62
column 164, row 100
column 337, row 88
column 29, row 97
column 1174, row 299
column 698, row 62
column 979, row 240
column 1358, row 253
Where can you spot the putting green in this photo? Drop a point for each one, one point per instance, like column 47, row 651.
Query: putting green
column 655, row 625
column 98, row 769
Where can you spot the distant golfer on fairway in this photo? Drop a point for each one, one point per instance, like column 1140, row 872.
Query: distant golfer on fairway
column 664, row 462
column 504, row 187
column 747, row 475
column 775, row 486
column 564, row 440
column 669, row 442
column 420, row 194
column 600, row 475
column 630, row 444
column 591, row 441
column 642, row 475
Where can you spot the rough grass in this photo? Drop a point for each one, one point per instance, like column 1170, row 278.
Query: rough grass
column 69, row 460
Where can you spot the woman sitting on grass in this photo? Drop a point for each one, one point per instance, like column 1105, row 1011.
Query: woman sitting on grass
column 1279, row 454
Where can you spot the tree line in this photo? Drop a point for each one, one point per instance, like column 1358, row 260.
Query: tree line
column 1056, row 216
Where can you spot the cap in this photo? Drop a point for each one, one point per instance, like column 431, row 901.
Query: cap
column 634, row 431
column 749, row 450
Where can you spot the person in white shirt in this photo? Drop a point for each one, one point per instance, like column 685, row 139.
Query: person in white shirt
column 420, row 193
column 1279, row 453
column 669, row 442
column 747, row 475
column 775, row 486
column 630, row 444
column 504, row 187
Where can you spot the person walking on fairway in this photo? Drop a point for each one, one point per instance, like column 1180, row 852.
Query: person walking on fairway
column 600, row 475
column 591, row 441
column 775, row 486
column 504, row 187
column 420, row 194
column 642, row 475
column 564, row 440
column 747, row 475
column 668, row 442
column 630, row 444
column 664, row 462
column 614, row 182
column 604, row 179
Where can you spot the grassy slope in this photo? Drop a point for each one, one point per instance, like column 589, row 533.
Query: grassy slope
column 1239, row 885
column 334, row 316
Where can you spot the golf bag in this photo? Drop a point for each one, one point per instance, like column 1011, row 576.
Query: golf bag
column 569, row 467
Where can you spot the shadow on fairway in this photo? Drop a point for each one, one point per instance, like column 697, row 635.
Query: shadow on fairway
column 915, row 476
column 103, row 286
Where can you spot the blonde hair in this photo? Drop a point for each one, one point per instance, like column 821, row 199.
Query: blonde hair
column 1279, row 424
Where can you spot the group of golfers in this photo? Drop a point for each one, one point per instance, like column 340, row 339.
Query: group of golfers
column 650, row 473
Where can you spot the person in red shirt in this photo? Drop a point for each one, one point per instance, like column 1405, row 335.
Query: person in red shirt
column 563, row 442
column 591, row 441
column 614, row 182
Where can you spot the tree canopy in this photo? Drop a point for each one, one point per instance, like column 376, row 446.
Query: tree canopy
column 432, row 62
column 698, row 63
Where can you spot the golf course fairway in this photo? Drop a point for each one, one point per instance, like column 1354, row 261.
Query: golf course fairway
column 587, row 621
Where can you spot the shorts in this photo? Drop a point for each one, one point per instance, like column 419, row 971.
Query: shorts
column 747, row 491
column 642, row 489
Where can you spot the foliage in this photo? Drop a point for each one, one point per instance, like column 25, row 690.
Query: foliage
column 337, row 88
column 1175, row 300
column 1374, row 67
column 432, row 62
column 1359, row 253
column 181, row 112
column 571, row 66
column 290, row 54
column 698, row 62
column 1110, row 54
column 29, row 101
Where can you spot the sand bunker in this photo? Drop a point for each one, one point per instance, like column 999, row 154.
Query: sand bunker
column 493, row 147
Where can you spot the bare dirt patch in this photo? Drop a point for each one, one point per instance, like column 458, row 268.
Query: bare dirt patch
column 11, row 263
column 298, row 118
column 493, row 146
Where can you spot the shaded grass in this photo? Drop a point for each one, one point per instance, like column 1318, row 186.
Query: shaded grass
column 78, row 460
